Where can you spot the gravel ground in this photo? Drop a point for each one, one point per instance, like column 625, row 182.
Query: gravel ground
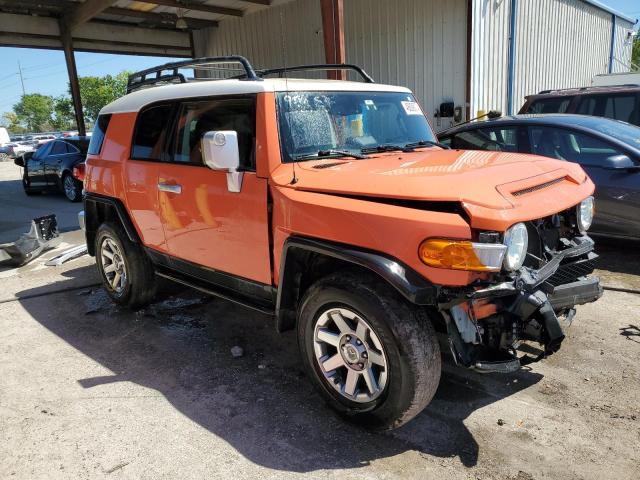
column 88, row 390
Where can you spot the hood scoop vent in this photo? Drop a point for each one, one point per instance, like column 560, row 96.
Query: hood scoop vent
column 535, row 188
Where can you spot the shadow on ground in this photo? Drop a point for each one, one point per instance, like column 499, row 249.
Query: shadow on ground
column 611, row 259
column 260, row 403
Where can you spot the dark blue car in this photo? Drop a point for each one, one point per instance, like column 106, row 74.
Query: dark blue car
column 608, row 150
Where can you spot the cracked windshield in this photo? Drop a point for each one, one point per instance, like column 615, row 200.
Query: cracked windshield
column 325, row 124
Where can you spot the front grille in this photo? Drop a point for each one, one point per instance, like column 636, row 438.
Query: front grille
column 535, row 188
column 571, row 271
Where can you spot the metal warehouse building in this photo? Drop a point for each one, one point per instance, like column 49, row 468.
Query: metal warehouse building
column 465, row 56
column 478, row 54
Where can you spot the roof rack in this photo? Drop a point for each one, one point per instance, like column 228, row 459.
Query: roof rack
column 143, row 78
column 591, row 87
column 169, row 72
column 282, row 71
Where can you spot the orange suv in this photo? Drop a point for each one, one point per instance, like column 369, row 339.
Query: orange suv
column 330, row 206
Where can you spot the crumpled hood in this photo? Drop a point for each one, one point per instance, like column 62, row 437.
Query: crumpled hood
column 479, row 180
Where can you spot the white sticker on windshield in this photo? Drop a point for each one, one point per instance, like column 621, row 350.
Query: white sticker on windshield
column 411, row 108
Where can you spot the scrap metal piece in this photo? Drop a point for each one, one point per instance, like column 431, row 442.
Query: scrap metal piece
column 70, row 254
column 42, row 236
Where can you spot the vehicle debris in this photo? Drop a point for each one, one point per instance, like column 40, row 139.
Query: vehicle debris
column 42, row 236
column 237, row 352
column 70, row 254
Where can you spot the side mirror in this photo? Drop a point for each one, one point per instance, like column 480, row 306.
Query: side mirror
column 618, row 162
column 19, row 161
column 220, row 152
column 27, row 156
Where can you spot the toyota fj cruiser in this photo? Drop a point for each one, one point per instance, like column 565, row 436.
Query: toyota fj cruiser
column 329, row 205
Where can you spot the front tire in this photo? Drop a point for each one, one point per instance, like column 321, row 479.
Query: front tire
column 373, row 356
column 126, row 271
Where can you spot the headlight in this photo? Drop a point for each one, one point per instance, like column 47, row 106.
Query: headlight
column 462, row 255
column 516, row 240
column 584, row 214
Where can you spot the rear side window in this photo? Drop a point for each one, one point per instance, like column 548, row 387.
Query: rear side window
column 550, row 105
column 150, row 132
column 619, row 107
column 59, row 148
column 97, row 138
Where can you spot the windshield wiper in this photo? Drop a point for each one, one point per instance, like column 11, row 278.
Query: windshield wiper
column 427, row 143
column 385, row 148
column 328, row 154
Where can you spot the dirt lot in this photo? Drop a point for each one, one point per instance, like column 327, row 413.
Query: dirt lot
column 89, row 391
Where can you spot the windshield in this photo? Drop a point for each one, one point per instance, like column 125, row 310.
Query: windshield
column 629, row 134
column 327, row 123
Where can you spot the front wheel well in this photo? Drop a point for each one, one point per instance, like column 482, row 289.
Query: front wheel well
column 306, row 260
column 302, row 269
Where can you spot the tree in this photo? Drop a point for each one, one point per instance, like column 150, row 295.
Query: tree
column 635, row 56
column 64, row 116
column 96, row 92
column 34, row 111
column 11, row 122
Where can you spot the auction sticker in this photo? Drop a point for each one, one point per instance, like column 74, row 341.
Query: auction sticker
column 411, row 108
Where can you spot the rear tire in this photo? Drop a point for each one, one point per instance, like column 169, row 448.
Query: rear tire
column 389, row 343
column 71, row 188
column 126, row 271
column 27, row 189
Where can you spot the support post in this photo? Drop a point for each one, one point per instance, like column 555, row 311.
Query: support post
column 612, row 50
column 67, row 47
column 511, row 65
column 333, row 33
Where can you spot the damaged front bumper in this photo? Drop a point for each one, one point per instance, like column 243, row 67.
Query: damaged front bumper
column 486, row 325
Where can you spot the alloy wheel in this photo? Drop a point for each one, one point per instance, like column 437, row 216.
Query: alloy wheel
column 113, row 265
column 69, row 187
column 350, row 355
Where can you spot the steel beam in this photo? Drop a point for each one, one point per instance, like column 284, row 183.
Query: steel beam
column 85, row 11
column 199, row 7
column 333, row 33
column 67, row 47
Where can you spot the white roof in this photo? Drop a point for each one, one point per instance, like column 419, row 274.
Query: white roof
column 134, row 101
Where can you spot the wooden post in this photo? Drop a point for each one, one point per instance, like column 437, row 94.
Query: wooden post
column 333, row 33
column 67, row 47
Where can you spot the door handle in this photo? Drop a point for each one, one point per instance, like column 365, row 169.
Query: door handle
column 170, row 188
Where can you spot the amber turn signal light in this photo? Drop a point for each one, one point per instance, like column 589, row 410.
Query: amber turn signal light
column 462, row 254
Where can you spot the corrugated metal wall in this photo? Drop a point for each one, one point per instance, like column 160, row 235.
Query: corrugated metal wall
column 260, row 36
column 489, row 54
column 420, row 44
column 416, row 43
column 623, row 47
column 559, row 44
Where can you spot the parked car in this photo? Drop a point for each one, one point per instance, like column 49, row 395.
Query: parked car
column 620, row 102
column 608, row 150
column 50, row 167
column 329, row 205
column 15, row 149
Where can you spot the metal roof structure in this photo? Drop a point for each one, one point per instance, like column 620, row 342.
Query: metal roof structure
column 612, row 11
column 149, row 27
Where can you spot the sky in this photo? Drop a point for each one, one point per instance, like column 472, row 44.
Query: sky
column 45, row 72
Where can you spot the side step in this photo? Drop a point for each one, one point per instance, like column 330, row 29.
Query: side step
column 209, row 289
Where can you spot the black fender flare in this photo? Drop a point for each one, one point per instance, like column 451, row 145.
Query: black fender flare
column 93, row 203
column 409, row 283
